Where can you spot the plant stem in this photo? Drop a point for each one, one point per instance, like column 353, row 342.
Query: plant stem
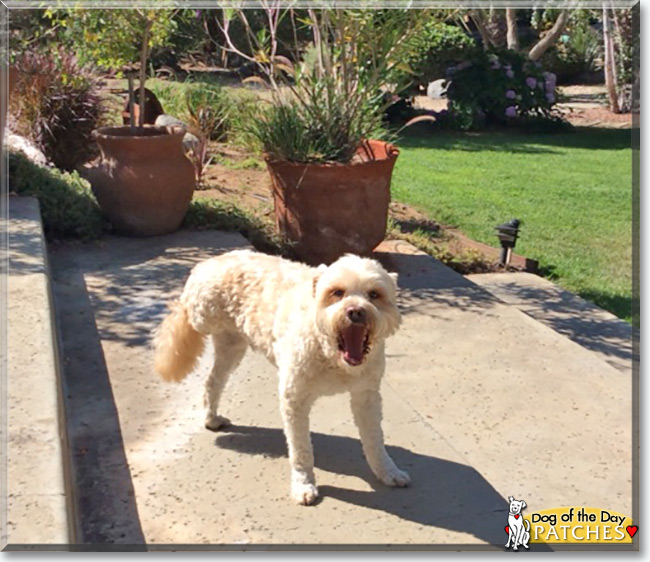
column 143, row 67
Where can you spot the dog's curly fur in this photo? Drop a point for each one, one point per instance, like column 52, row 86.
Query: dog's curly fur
column 323, row 328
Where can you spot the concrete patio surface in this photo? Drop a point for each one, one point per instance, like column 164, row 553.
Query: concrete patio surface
column 481, row 401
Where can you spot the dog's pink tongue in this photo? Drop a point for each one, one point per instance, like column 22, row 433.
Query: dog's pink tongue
column 353, row 338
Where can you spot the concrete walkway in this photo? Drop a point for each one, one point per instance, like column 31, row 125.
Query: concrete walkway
column 579, row 320
column 35, row 476
column 480, row 402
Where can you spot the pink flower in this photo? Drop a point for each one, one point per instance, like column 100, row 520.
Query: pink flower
column 511, row 94
column 531, row 82
column 511, row 111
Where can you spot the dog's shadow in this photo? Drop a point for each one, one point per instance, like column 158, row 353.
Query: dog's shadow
column 443, row 493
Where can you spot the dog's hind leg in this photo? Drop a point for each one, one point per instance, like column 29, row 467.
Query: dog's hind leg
column 229, row 349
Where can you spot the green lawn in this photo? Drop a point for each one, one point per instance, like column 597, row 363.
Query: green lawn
column 572, row 191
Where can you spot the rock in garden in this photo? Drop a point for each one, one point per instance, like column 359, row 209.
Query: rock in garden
column 17, row 143
column 190, row 141
column 165, row 120
column 437, row 89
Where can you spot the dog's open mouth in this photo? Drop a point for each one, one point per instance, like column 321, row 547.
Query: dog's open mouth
column 354, row 343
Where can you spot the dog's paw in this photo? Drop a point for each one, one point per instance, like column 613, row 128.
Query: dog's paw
column 304, row 494
column 214, row 422
column 396, row 478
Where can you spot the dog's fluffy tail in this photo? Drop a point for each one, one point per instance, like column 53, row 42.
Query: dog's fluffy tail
column 177, row 345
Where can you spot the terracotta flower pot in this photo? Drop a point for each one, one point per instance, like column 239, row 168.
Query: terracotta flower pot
column 331, row 209
column 144, row 182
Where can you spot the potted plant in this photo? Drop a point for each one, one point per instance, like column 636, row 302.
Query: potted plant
column 144, row 181
column 321, row 133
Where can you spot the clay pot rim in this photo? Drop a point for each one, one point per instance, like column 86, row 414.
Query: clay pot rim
column 124, row 132
column 391, row 150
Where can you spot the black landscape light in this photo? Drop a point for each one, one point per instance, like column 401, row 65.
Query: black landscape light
column 508, row 234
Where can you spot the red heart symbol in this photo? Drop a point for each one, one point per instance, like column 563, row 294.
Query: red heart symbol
column 631, row 530
column 507, row 529
column 516, row 516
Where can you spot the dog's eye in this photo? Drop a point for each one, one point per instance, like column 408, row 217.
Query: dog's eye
column 338, row 292
column 373, row 295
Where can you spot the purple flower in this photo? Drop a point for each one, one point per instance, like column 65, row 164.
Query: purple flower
column 531, row 82
column 511, row 111
column 550, row 97
column 510, row 73
column 511, row 94
column 550, row 82
column 550, row 76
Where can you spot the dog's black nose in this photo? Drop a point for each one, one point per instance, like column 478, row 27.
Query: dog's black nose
column 356, row 315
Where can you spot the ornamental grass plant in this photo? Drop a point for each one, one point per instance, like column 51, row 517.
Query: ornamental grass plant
column 330, row 94
column 56, row 104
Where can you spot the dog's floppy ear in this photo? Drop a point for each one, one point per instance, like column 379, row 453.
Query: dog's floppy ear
column 523, row 504
column 319, row 271
column 394, row 277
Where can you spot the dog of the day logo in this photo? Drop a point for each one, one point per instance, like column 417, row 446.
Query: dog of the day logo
column 567, row 525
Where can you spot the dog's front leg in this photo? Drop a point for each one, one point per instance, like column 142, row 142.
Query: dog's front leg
column 295, row 415
column 366, row 408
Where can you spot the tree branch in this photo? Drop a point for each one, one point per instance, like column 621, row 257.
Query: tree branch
column 512, row 36
column 550, row 38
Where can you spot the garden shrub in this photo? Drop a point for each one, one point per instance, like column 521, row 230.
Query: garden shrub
column 171, row 96
column 246, row 108
column 500, row 88
column 68, row 207
column 437, row 46
column 576, row 56
column 56, row 104
column 209, row 109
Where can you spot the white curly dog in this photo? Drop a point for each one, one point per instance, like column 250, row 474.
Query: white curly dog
column 323, row 328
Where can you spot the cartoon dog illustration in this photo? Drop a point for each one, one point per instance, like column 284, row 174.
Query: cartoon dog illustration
column 518, row 528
